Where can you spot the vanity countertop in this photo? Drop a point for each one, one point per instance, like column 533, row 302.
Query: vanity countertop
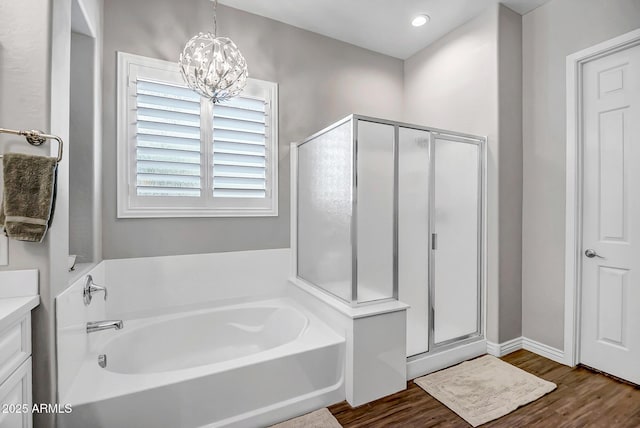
column 14, row 308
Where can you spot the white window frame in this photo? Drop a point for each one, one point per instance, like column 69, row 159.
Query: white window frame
column 129, row 205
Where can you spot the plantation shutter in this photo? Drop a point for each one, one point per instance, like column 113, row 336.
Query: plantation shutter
column 179, row 155
column 239, row 167
column 168, row 148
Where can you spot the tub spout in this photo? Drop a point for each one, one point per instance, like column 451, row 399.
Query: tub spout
column 104, row 325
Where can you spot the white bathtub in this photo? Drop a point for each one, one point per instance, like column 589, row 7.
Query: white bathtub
column 249, row 364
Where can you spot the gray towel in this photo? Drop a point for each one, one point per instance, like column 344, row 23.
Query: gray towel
column 29, row 196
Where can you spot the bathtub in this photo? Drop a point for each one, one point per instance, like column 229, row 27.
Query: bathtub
column 248, row 364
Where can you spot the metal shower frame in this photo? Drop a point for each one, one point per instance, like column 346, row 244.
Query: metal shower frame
column 434, row 133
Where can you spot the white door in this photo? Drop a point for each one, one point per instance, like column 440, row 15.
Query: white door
column 610, row 306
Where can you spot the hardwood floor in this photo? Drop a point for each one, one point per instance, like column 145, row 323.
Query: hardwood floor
column 583, row 399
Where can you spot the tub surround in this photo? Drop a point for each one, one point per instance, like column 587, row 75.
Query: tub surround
column 147, row 286
column 71, row 320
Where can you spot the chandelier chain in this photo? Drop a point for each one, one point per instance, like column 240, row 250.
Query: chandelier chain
column 215, row 18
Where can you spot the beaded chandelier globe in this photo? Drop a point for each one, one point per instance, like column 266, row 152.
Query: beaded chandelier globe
column 213, row 66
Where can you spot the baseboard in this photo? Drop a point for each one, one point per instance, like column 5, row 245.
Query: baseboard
column 504, row 348
column 544, row 350
column 427, row 363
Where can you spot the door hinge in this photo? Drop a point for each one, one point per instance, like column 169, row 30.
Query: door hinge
column 434, row 241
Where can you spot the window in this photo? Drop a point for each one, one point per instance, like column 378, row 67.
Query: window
column 181, row 156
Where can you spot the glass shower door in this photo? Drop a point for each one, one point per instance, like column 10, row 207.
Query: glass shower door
column 456, row 180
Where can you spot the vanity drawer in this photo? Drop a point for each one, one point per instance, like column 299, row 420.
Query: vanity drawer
column 15, row 346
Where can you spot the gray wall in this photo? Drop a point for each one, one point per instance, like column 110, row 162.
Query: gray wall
column 24, row 104
column 470, row 81
column 35, row 88
column 81, row 132
column 510, row 172
column 24, row 85
column 550, row 33
column 321, row 80
column 452, row 84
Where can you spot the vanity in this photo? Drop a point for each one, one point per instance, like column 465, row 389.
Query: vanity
column 18, row 297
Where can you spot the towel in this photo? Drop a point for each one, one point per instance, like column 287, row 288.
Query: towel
column 29, row 196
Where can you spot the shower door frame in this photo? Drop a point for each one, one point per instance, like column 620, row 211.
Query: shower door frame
column 480, row 142
column 482, row 227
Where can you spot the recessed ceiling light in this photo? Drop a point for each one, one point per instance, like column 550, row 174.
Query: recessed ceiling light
column 420, row 20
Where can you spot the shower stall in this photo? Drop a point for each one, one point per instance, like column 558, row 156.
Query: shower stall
column 387, row 210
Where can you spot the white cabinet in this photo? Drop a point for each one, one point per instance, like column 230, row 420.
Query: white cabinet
column 15, row 346
column 18, row 296
column 15, row 366
column 15, row 398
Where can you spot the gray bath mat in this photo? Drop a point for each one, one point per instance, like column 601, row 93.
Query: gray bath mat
column 484, row 389
column 319, row 419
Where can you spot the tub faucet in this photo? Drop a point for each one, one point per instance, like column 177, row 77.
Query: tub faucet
column 93, row 326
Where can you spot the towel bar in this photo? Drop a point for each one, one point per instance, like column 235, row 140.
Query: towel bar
column 36, row 138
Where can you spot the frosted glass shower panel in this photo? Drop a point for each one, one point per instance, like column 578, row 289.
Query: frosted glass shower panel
column 456, row 223
column 413, row 235
column 375, row 215
column 325, row 171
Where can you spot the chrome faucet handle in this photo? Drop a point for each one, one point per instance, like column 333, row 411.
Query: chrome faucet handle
column 89, row 288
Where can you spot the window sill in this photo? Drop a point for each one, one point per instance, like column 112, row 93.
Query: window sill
column 155, row 213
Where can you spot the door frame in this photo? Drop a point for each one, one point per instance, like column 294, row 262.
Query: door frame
column 574, row 186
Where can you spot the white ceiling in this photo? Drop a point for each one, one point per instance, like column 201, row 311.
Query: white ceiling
column 379, row 25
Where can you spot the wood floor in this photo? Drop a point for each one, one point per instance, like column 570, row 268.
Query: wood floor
column 583, row 399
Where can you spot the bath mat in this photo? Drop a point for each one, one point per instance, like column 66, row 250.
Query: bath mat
column 484, row 389
column 319, row 419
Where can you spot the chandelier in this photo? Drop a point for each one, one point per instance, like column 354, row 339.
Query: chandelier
column 213, row 66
